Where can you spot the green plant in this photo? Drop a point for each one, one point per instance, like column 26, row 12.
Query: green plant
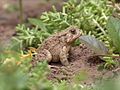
column 18, row 77
column 113, row 27
column 30, row 37
column 100, row 50
column 91, row 42
column 109, row 62
column 89, row 15
column 10, row 7
column 11, row 77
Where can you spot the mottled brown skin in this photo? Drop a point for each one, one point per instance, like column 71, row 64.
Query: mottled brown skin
column 56, row 47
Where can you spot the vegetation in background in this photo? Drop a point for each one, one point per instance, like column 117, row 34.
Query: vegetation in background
column 10, row 7
column 113, row 26
column 17, row 76
column 30, row 37
column 100, row 50
column 89, row 15
column 14, row 76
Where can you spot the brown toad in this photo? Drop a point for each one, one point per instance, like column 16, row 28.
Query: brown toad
column 56, row 47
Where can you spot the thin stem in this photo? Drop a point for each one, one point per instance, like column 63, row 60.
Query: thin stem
column 99, row 26
column 21, row 11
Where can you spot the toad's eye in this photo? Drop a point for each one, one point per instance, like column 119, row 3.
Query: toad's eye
column 73, row 31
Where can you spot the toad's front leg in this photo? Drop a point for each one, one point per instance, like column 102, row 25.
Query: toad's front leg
column 64, row 56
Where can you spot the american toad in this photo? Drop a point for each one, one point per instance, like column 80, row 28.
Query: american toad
column 56, row 47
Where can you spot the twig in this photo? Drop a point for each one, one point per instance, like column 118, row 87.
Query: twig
column 21, row 11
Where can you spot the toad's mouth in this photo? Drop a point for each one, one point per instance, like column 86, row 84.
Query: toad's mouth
column 72, row 40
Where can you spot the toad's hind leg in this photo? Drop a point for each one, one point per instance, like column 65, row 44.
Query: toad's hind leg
column 41, row 56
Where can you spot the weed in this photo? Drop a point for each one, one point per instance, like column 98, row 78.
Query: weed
column 113, row 26
column 30, row 37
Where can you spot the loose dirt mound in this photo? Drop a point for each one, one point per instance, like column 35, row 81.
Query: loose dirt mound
column 81, row 61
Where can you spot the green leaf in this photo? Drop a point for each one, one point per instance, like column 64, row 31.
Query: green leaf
column 37, row 22
column 113, row 27
column 98, row 47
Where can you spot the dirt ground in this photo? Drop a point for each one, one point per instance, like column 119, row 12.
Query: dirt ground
column 82, row 63
column 9, row 19
column 80, row 60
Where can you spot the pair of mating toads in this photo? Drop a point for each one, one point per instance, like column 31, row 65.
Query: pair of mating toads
column 56, row 47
